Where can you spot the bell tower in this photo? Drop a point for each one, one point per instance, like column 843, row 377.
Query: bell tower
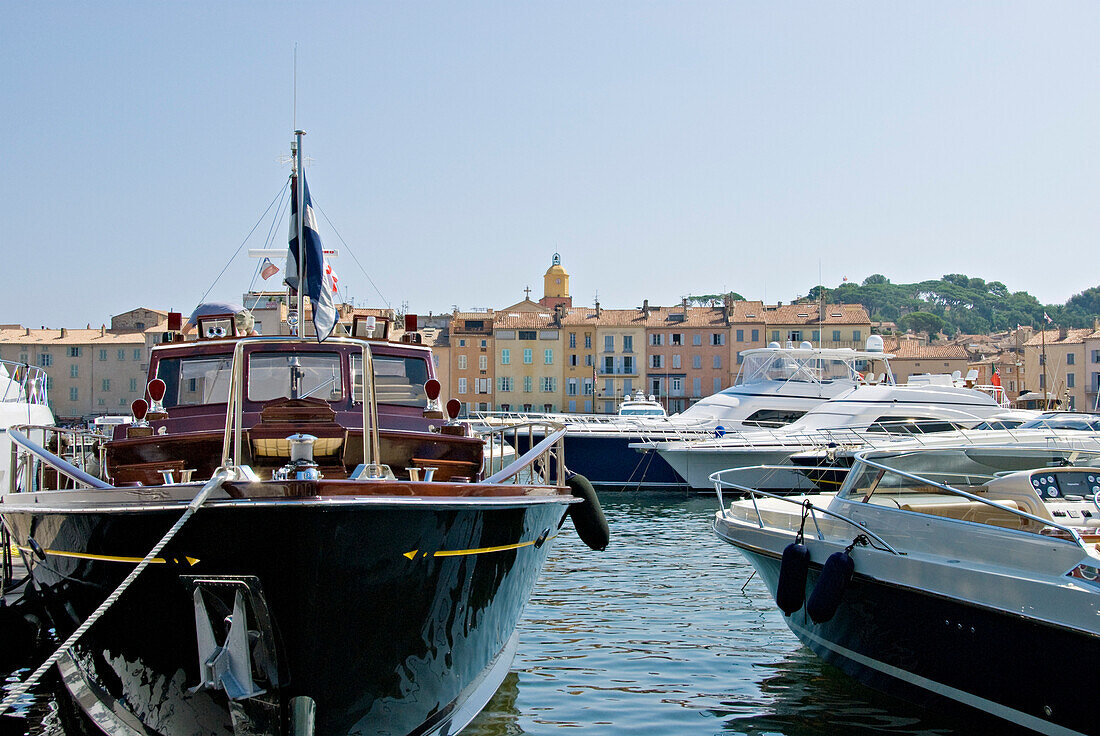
column 555, row 286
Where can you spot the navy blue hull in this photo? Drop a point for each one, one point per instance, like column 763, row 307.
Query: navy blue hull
column 927, row 648
column 389, row 618
column 611, row 465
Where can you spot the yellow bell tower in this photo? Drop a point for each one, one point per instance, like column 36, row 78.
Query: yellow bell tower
column 555, row 285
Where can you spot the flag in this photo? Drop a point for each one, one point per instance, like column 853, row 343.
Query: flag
column 996, row 378
column 1047, row 318
column 268, row 269
column 320, row 283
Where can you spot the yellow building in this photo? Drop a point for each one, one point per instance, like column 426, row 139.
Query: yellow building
column 1055, row 365
column 827, row 326
column 471, row 368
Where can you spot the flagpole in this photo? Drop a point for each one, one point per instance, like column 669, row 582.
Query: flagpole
column 300, row 192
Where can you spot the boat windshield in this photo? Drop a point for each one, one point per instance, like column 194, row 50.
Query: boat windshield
column 398, row 380
column 783, row 366
column 641, row 411
column 295, row 375
column 195, row 381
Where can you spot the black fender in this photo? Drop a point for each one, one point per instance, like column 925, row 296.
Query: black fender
column 588, row 518
column 826, row 595
column 790, row 591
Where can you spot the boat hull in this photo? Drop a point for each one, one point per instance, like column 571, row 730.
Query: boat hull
column 696, row 464
column 929, row 648
column 392, row 617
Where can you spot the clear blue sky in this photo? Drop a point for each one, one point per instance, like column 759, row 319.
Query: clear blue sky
column 663, row 148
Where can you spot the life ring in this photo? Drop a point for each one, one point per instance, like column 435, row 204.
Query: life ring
column 588, row 518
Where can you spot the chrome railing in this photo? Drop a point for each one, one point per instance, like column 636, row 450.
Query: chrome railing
column 23, row 383
column 542, row 464
column 66, row 458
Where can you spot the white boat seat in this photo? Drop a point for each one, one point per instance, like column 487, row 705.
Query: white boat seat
column 974, row 511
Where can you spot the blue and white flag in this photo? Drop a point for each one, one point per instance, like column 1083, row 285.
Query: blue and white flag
column 320, row 284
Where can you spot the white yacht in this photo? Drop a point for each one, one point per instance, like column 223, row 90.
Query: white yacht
column 24, row 400
column 776, row 385
column 640, row 406
column 861, row 415
column 965, row 575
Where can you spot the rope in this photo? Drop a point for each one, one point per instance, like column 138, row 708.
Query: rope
column 246, row 237
column 21, row 689
column 350, row 251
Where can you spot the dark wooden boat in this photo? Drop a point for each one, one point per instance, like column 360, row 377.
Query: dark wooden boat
column 348, row 568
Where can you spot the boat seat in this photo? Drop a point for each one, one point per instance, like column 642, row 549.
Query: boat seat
column 974, row 511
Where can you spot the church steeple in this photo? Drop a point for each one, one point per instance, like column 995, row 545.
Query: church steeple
column 556, row 285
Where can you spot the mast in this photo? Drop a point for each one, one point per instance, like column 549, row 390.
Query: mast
column 300, row 204
column 1046, row 388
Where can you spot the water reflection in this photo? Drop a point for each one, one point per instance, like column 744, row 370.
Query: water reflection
column 666, row 633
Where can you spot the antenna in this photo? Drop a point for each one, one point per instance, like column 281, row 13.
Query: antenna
column 294, row 114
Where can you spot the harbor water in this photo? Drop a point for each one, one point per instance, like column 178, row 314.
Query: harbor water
column 666, row 633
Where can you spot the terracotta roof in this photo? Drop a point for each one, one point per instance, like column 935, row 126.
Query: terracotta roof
column 1053, row 337
column 806, row 314
column 913, row 349
column 71, row 337
column 523, row 320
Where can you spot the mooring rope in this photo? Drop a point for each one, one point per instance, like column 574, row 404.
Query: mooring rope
column 17, row 693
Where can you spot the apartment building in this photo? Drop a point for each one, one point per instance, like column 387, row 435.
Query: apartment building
column 827, row 326
column 471, row 364
column 912, row 357
column 1054, row 362
column 90, row 371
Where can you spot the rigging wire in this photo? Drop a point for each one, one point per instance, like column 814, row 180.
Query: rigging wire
column 267, row 243
column 350, row 251
column 246, row 237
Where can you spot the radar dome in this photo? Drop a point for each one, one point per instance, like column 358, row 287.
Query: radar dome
column 874, row 344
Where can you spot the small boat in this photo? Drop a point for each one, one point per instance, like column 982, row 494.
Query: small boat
column 291, row 537
column 640, row 406
column 24, row 399
column 966, row 575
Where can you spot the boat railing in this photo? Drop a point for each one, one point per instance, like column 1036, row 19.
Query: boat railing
column 542, row 464
column 67, row 458
column 26, row 383
column 232, row 439
column 721, row 480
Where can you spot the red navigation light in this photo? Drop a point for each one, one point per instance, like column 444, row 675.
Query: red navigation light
column 156, row 389
column 139, row 409
column 410, row 322
column 432, row 388
column 175, row 321
column 454, row 406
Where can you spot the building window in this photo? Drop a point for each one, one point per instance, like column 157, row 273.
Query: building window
column 74, row 352
column 45, row 360
column 655, row 338
column 696, row 339
column 677, row 386
column 740, row 336
column 856, row 335
column 756, row 335
column 571, row 387
column 836, row 335
column 717, row 338
column 588, row 390
column 609, row 364
column 548, row 384
column 548, row 357
column 527, row 335
column 816, row 335
column 573, row 340
column 106, row 384
column 462, row 362
column 133, row 384
column 795, row 335
column 1096, row 356
column 587, row 341
column 527, row 384
column 506, row 383
column 740, row 359
column 462, row 385
column 74, row 371
column 74, row 394
column 573, row 359
column 697, row 387
column 609, row 343
column 677, row 338
column 101, row 402
column 655, row 361
column 628, row 343
column 122, row 354
column 572, row 405
column 484, row 343
column 717, row 361
column 528, row 356
column 676, row 361
column 462, row 343
column 697, row 362
column 588, row 360
column 483, row 362
column 775, row 335
column 1069, row 359
column 1069, row 380
column 482, row 385
column 717, row 385
column 628, row 364
column 103, row 355
column 137, row 354
column 505, row 357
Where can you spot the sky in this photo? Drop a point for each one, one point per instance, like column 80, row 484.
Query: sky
column 664, row 149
